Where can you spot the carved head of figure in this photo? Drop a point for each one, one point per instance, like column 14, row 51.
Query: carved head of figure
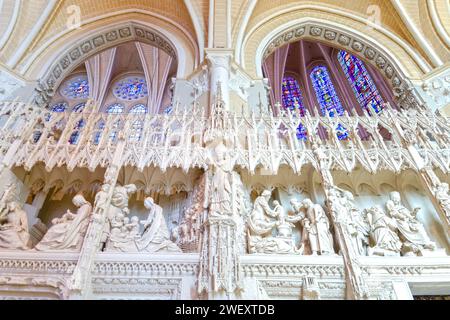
column 135, row 220
column 307, row 203
column 105, row 188
column 79, row 200
column 13, row 206
column 149, row 203
column 376, row 212
column 266, row 194
column 131, row 188
column 220, row 151
column 395, row 197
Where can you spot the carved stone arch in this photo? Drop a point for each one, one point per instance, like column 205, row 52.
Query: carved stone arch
column 103, row 40
column 408, row 177
column 364, row 185
column 347, row 187
column 385, row 187
column 341, row 37
column 352, row 43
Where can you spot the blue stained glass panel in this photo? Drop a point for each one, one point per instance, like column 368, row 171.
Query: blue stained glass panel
column 79, row 107
column 138, row 109
column 132, row 88
column 326, row 94
column 291, row 95
column 115, row 108
column 328, row 99
column 361, row 82
column 77, row 88
column 60, row 107
column 76, row 134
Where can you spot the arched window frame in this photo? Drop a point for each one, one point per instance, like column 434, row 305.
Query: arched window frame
column 341, row 131
column 79, row 108
column 139, row 108
column 60, row 107
column 375, row 93
column 69, row 95
column 294, row 76
column 115, row 108
column 336, row 90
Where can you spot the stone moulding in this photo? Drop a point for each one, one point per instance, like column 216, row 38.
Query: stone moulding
column 134, row 264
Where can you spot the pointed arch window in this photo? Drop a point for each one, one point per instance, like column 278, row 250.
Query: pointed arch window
column 77, row 133
column 292, row 95
column 293, row 100
column 139, row 109
column 326, row 94
column 327, row 98
column 57, row 108
column 79, row 107
column 115, row 108
column 361, row 82
column 60, row 107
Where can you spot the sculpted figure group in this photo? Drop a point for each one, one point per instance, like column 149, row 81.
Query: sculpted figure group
column 390, row 231
column 395, row 231
column 122, row 233
column 270, row 230
column 67, row 233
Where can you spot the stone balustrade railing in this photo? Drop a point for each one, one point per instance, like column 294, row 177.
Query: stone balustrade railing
column 259, row 139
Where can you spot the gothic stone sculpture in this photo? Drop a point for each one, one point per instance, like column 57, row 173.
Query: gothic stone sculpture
column 156, row 236
column 317, row 227
column 14, row 228
column 119, row 206
column 260, row 239
column 411, row 231
column 383, row 233
column 67, row 233
column 125, row 236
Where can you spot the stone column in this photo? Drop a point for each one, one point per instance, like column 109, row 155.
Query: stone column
column 219, row 61
column 220, row 271
column 80, row 282
column 356, row 288
column 221, row 241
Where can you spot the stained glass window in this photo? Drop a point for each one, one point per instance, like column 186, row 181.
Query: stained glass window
column 98, row 134
column 115, row 108
column 292, row 96
column 168, row 109
column 60, row 107
column 365, row 90
column 79, row 107
column 76, row 88
column 325, row 92
column 76, row 134
column 131, row 88
column 139, row 108
column 328, row 99
column 136, row 131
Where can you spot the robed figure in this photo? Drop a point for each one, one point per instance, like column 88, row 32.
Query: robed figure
column 14, row 228
column 156, row 236
column 68, row 232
